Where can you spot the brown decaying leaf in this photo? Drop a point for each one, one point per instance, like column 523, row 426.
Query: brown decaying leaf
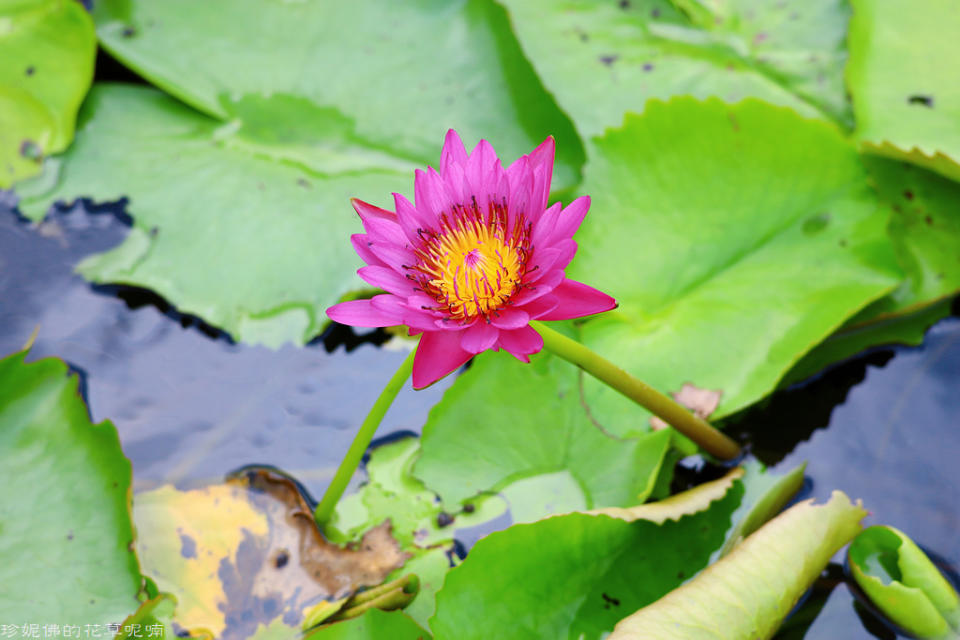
column 702, row 402
column 265, row 559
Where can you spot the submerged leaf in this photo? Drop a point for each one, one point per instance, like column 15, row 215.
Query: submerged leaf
column 66, row 537
column 48, row 49
column 245, row 553
column 904, row 584
column 748, row 593
column 575, row 575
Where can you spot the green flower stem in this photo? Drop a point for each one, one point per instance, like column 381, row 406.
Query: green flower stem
column 361, row 441
column 677, row 416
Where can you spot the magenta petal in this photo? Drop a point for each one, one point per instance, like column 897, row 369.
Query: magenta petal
column 362, row 313
column 368, row 211
column 381, row 230
column 541, row 162
column 510, row 318
column 386, row 279
column 361, row 244
column 541, row 306
column 438, row 354
column 453, row 152
column 479, row 337
column 521, row 342
column 545, row 225
column 541, row 288
column 570, row 220
column 577, row 300
column 393, row 255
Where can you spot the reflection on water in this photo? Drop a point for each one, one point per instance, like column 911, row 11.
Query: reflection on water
column 190, row 405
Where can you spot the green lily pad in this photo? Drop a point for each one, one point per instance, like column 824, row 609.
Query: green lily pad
column 482, row 436
column 748, row 593
column 925, row 229
column 906, row 97
column 735, row 239
column 575, row 575
column 48, row 49
column 904, row 584
column 403, row 72
column 253, row 245
column 799, row 43
column 66, row 536
column 393, row 493
column 603, row 59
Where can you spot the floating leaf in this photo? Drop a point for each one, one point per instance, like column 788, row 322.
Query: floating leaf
column 154, row 619
column 403, row 72
column 732, row 251
column 243, row 554
column 574, row 575
column 748, row 593
column 483, row 436
column 925, row 229
column 255, row 246
column 604, row 59
column 905, row 95
column 66, row 538
column 48, row 49
column 904, row 584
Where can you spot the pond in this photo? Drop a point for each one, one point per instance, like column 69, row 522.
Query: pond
column 191, row 405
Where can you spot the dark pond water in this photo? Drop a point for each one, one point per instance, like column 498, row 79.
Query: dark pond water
column 190, row 405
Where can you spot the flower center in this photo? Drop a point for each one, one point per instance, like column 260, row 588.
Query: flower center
column 473, row 264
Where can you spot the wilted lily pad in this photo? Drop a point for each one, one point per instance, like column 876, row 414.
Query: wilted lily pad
column 904, row 83
column 748, row 593
column 47, row 48
column 66, row 537
column 246, row 553
column 902, row 582
column 576, row 575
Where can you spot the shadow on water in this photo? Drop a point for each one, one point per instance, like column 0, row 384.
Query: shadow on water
column 881, row 427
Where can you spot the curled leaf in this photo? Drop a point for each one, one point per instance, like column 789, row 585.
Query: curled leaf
column 763, row 578
column 904, row 584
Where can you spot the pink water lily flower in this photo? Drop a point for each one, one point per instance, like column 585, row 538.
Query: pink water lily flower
column 476, row 259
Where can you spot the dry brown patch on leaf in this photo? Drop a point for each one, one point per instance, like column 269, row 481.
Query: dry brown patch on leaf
column 248, row 552
column 702, row 402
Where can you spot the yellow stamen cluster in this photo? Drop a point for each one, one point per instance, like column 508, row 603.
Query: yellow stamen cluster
column 473, row 264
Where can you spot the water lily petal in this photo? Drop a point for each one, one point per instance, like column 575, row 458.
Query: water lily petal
column 386, row 279
column 453, row 152
column 362, row 313
column 381, row 230
column 479, row 337
column 438, row 354
column 577, row 300
column 368, row 211
column 541, row 306
column 509, row 318
column 361, row 244
column 521, row 342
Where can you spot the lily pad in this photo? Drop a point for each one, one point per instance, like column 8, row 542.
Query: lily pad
column 904, row 584
column 604, row 59
column 575, row 575
column 253, row 245
column 735, row 239
column 245, row 554
column 403, row 72
column 748, row 593
column 482, row 436
column 66, row 537
column 925, row 230
column 906, row 98
column 48, row 49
